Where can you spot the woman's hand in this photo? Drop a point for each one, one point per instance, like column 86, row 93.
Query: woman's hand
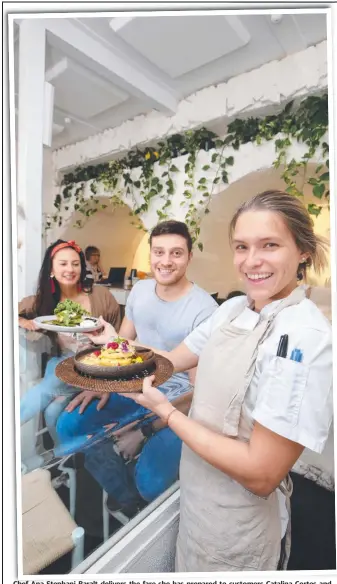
column 103, row 335
column 152, row 399
column 29, row 325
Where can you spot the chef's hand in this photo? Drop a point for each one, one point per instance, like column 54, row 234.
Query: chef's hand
column 130, row 444
column 84, row 399
column 103, row 335
column 152, row 399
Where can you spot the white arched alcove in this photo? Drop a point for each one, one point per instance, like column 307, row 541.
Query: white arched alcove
column 249, row 158
column 141, row 259
column 213, row 269
column 112, row 232
column 251, row 173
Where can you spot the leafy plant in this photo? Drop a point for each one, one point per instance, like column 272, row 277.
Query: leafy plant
column 308, row 123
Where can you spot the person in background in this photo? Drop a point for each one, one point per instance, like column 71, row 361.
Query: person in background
column 160, row 312
column 63, row 275
column 92, row 257
column 234, row 294
column 263, row 393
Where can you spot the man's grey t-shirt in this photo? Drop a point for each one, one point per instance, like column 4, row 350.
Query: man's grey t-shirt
column 164, row 325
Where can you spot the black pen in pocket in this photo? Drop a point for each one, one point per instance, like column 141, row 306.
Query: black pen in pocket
column 282, row 348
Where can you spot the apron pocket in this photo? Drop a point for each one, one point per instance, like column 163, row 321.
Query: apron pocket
column 282, row 387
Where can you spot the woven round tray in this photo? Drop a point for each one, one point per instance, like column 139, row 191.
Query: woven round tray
column 162, row 369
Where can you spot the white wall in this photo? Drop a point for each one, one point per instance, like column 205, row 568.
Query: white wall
column 121, row 244
column 249, row 158
column 141, row 260
column 213, row 269
column 251, row 93
column 110, row 231
column 47, row 185
column 252, row 172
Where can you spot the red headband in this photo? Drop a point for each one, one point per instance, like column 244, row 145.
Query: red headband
column 65, row 244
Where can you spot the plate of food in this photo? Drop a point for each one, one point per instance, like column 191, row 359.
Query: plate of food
column 114, row 360
column 68, row 317
column 115, row 367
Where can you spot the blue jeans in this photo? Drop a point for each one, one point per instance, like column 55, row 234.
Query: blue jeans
column 73, row 428
column 80, row 431
column 50, row 396
column 155, row 471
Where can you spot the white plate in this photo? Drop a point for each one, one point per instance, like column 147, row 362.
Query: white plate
column 40, row 322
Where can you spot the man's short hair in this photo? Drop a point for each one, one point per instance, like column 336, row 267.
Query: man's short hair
column 89, row 251
column 172, row 227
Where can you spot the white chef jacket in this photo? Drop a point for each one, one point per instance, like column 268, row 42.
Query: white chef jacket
column 291, row 399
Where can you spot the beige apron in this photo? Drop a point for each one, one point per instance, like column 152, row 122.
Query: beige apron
column 223, row 526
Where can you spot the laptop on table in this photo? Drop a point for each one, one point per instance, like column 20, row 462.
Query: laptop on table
column 115, row 279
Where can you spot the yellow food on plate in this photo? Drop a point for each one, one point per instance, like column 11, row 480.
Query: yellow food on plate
column 117, row 353
column 116, row 362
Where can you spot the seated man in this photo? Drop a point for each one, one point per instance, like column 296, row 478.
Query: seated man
column 160, row 312
column 142, row 459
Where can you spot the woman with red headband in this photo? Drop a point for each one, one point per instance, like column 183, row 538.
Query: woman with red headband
column 63, row 275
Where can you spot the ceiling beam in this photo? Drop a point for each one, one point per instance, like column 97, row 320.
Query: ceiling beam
column 117, row 68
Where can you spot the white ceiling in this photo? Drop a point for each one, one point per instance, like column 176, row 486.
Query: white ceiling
column 178, row 40
column 155, row 61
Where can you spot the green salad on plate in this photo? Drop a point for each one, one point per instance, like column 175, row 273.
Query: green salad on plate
column 69, row 313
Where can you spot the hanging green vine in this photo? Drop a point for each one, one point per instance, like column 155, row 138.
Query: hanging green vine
column 308, row 123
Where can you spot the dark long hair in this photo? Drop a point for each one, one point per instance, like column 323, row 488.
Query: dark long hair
column 89, row 251
column 46, row 300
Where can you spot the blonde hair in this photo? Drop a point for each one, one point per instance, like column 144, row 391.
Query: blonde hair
column 297, row 220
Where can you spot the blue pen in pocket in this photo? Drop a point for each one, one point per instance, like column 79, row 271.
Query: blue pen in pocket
column 296, row 355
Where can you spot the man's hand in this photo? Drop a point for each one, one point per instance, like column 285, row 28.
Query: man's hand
column 103, row 335
column 130, row 443
column 84, row 398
